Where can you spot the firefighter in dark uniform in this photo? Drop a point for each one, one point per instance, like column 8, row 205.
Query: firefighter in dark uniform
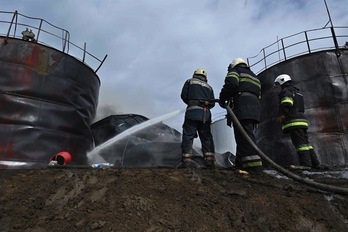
column 291, row 115
column 242, row 90
column 199, row 97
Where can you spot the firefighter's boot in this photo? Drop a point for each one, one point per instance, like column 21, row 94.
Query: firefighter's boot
column 187, row 161
column 305, row 159
column 209, row 160
column 316, row 163
column 314, row 159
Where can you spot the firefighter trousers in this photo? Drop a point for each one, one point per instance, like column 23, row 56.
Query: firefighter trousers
column 305, row 152
column 246, row 156
column 190, row 129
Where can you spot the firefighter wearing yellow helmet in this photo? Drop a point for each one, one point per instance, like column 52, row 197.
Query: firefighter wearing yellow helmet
column 293, row 120
column 199, row 97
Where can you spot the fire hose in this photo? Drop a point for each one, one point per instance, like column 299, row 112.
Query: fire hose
column 321, row 186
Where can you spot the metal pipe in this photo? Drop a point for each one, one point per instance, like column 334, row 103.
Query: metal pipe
column 9, row 29
column 101, row 63
column 309, row 48
column 338, row 53
column 38, row 31
column 283, row 49
column 328, row 13
column 84, row 52
column 264, row 57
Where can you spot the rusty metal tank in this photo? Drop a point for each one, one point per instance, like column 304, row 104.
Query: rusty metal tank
column 321, row 75
column 48, row 100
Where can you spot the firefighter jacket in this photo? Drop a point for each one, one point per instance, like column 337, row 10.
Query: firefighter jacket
column 199, row 97
column 244, row 88
column 292, row 107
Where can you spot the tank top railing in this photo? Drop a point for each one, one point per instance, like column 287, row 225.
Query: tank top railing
column 305, row 42
column 40, row 31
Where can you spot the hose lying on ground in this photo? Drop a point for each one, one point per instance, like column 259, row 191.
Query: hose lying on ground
column 325, row 187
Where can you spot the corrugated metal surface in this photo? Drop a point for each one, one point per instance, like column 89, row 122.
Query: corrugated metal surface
column 48, row 101
column 322, row 78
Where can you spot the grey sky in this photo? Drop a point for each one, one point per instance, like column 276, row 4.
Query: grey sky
column 153, row 46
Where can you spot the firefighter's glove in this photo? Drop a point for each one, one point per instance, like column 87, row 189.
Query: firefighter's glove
column 281, row 118
column 223, row 103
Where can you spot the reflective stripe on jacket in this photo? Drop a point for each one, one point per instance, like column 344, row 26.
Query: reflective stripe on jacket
column 199, row 97
column 244, row 87
column 292, row 107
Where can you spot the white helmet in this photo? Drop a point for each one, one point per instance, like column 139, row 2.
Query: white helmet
column 237, row 61
column 281, row 79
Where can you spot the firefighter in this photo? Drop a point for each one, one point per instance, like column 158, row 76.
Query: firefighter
column 293, row 120
column 242, row 91
column 199, row 97
column 28, row 35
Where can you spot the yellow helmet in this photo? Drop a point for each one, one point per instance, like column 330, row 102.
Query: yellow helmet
column 201, row 72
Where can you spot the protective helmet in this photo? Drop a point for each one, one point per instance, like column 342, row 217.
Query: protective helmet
column 237, row 61
column 281, row 79
column 201, row 72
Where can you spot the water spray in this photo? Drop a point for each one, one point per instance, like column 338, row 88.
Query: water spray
column 133, row 130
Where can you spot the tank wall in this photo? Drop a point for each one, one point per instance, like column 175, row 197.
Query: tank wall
column 223, row 137
column 322, row 78
column 50, row 100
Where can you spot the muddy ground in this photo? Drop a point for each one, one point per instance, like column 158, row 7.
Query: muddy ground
column 85, row 199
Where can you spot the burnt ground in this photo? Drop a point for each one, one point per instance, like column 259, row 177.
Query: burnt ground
column 77, row 199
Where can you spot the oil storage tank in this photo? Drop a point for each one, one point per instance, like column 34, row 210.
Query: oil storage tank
column 317, row 61
column 223, row 135
column 48, row 98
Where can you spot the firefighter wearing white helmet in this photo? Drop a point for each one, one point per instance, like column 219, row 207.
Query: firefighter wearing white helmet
column 199, row 97
column 237, row 61
column 243, row 88
column 293, row 120
column 281, row 79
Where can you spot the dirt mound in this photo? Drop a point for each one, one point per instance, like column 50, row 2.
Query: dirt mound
column 69, row 199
